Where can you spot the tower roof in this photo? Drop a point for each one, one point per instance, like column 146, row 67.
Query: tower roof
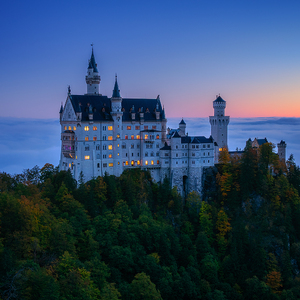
column 92, row 62
column 182, row 122
column 116, row 91
column 219, row 99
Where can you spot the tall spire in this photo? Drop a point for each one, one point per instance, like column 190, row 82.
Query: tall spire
column 92, row 62
column 116, row 91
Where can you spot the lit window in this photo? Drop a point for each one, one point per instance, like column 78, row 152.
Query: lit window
column 138, row 162
column 74, row 128
column 109, row 127
column 154, row 127
column 94, row 128
column 87, row 157
column 138, row 137
column 158, row 162
column 118, row 154
column 152, row 163
column 146, row 162
column 220, row 149
column 157, row 136
column 145, row 127
column 110, row 156
column 137, row 127
column 110, row 164
column 146, row 136
column 105, row 165
column 86, row 128
column 65, row 127
column 110, row 138
column 126, row 163
column 118, row 162
column 94, row 138
column 109, row 147
column 118, row 136
column 69, row 165
column 132, row 137
column 126, row 137
column 70, row 128
column 76, row 156
column 132, row 162
column 128, row 127
column 118, row 145
column 86, row 138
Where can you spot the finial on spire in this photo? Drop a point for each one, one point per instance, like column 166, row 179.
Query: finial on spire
column 69, row 90
column 116, row 91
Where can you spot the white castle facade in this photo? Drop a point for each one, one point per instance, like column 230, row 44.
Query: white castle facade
column 109, row 135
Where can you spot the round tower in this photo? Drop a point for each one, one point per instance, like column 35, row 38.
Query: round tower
column 282, row 150
column 182, row 127
column 92, row 78
column 219, row 123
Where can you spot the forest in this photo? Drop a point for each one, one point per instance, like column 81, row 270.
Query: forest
column 130, row 238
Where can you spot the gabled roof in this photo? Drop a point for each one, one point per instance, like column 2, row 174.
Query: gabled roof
column 101, row 107
column 196, row 140
column 182, row 122
column 176, row 135
column 261, row 141
column 166, row 147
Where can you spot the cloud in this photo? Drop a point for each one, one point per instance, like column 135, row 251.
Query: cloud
column 29, row 142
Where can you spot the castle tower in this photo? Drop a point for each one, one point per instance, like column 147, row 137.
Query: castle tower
column 182, row 127
column 117, row 114
column 282, row 150
column 92, row 78
column 219, row 123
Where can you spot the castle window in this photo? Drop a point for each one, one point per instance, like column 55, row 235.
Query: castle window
column 176, row 154
column 138, row 146
column 118, row 136
column 97, row 147
column 193, row 146
column 109, row 147
column 166, row 162
column 128, row 127
column 176, row 162
column 104, row 147
column 126, row 137
column 70, row 128
column 137, row 127
column 185, row 146
column 193, row 162
column 126, row 163
column 183, row 161
column 94, row 128
column 104, row 155
column 87, row 157
column 204, row 146
column 152, row 154
column 118, row 145
column 146, row 136
column 86, row 128
column 118, row 154
column 204, row 161
column 208, row 146
column 132, row 137
column 193, row 154
column 87, row 148
column 208, row 161
column 104, row 138
column 118, row 162
column 154, row 127
column 204, row 154
column 65, row 128
column 197, row 146
column 86, row 138
column 132, row 146
column 132, row 162
column 94, row 138
column 166, row 154
column 109, row 127
column 158, row 162
column 98, row 165
column 157, row 136
column 146, row 154
column 110, row 138
column 182, row 154
column 145, row 127
column 146, row 162
column 152, row 162
column 157, row 145
column 176, row 147
column 126, row 154
column 74, row 128
column 138, row 136
column 124, row 146
column 138, row 154
column 182, row 146
column 157, row 153
column 98, row 156
column 138, row 162
column 110, row 156
column 104, row 127
column 131, row 154
column 105, row 165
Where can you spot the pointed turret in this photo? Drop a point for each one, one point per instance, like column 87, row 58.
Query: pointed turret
column 116, row 91
column 92, row 79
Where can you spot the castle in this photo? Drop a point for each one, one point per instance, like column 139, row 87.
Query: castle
column 109, row 135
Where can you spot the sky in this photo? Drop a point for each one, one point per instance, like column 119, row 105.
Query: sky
column 185, row 51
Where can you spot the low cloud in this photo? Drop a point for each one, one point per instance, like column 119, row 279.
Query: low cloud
column 29, row 142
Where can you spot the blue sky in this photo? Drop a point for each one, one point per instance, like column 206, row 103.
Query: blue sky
column 185, row 51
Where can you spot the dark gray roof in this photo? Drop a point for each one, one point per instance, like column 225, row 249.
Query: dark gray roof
column 166, row 147
column 102, row 107
column 182, row 122
column 92, row 62
column 176, row 135
column 196, row 140
column 116, row 91
column 219, row 99
column 262, row 141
